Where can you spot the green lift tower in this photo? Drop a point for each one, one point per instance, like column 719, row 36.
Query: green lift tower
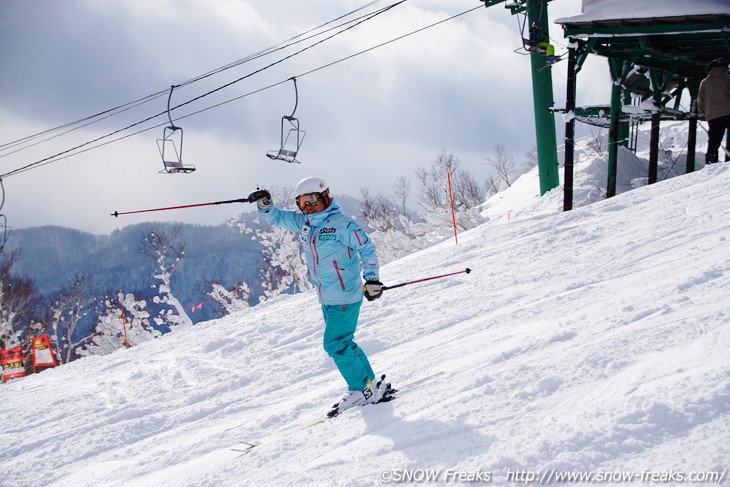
column 542, row 88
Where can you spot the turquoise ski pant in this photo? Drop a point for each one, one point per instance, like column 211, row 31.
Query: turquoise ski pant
column 340, row 323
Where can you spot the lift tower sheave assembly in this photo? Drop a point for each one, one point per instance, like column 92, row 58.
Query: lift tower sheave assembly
column 536, row 12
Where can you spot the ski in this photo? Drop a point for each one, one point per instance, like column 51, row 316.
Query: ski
column 549, row 64
column 247, row 446
column 387, row 392
column 394, row 393
column 390, row 394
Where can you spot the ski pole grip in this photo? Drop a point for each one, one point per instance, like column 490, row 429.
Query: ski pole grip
column 257, row 195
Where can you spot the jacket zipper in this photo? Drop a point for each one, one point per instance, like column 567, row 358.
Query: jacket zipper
column 337, row 270
column 315, row 259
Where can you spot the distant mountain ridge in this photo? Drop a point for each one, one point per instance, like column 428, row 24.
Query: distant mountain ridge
column 52, row 255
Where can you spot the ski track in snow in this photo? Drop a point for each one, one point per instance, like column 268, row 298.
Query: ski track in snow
column 591, row 340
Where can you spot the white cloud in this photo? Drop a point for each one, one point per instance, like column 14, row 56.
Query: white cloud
column 458, row 86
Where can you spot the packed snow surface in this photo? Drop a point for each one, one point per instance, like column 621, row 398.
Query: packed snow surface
column 592, row 342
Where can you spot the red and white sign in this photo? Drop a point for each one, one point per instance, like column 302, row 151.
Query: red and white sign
column 12, row 363
column 43, row 353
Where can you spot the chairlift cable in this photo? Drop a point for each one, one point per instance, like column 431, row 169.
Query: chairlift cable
column 395, row 39
column 282, row 45
column 67, row 153
column 108, row 112
column 321, row 41
column 126, row 106
column 73, row 128
column 56, row 156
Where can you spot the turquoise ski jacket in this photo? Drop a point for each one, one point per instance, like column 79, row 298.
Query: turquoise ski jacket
column 335, row 248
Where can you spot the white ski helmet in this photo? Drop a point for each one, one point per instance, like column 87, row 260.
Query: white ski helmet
column 310, row 185
column 316, row 186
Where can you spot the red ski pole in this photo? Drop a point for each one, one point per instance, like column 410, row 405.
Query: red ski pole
column 465, row 271
column 249, row 199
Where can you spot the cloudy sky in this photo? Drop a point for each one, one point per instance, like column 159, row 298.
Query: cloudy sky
column 462, row 86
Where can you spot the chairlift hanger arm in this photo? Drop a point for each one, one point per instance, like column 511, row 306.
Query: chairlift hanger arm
column 4, row 229
column 296, row 98
column 169, row 115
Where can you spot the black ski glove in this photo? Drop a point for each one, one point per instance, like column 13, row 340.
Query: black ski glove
column 262, row 198
column 373, row 289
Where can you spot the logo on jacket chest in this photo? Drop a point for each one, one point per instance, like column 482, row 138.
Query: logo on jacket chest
column 327, row 234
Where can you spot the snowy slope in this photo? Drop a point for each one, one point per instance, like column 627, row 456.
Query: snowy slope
column 593, row 341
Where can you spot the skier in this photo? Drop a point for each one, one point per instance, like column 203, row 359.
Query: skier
column 538, row 43
column 713, row 101
column 335, row 249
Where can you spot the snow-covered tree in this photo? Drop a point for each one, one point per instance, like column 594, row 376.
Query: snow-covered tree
column 121, row 312
column 167, row 250
column 68, row 307
column 435, row 198
column 389, row 224
column 530, row 160
column 230, row 301
column 379, row 211
column 19, row 304
column 401, row 192
column 503, row 164
column 598, row 141
column 492, row 186
column 284, row 269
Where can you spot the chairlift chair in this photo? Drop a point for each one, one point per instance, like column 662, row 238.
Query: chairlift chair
column 171, row 157
column 4, row 232
column 291, row 140
column 290, row 143
column 4, row 228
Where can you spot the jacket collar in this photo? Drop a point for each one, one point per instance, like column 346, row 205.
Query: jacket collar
column 323, row 215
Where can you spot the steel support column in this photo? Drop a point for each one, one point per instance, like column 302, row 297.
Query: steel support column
column 613, row 130
column 654, row 143
column 569, row 131
column 692, row 131
column 542, row 91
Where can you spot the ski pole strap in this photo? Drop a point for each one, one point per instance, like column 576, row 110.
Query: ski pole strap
column 465, row 271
